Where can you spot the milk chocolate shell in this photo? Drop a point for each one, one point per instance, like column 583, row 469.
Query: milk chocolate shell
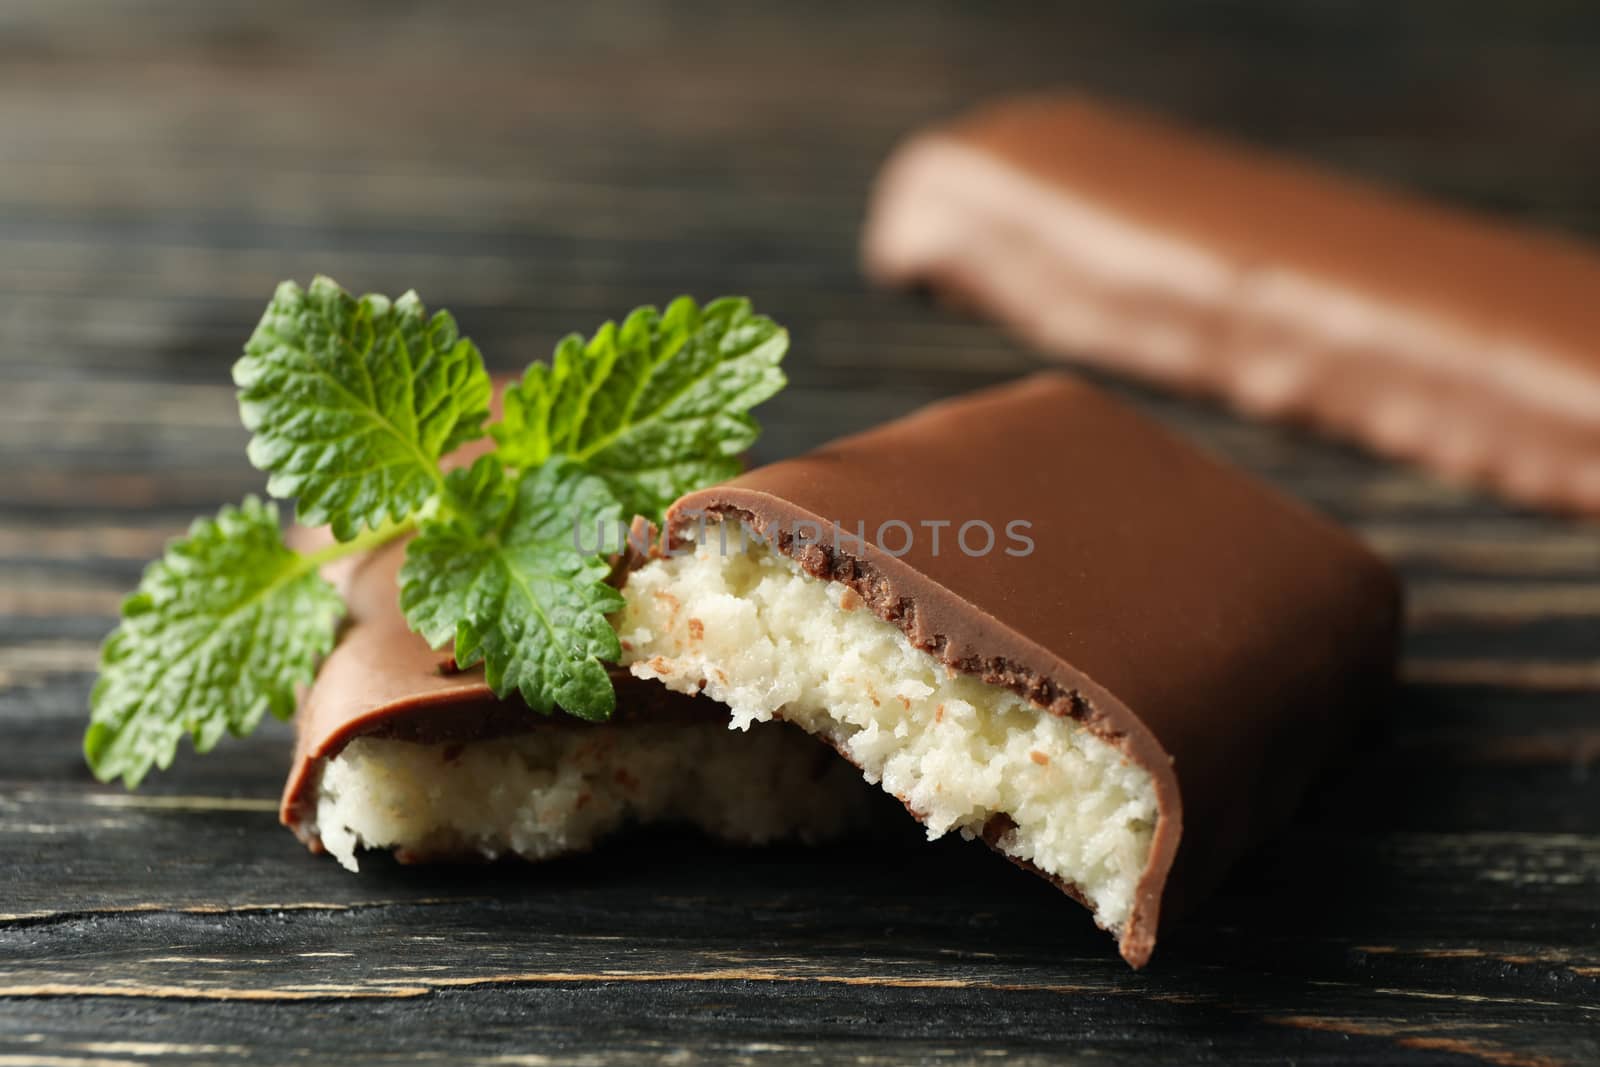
column 1220, row 636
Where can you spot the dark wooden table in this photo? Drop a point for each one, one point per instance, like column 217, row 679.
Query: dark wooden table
column 536, row 170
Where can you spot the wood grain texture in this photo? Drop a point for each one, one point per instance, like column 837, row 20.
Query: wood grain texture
column 539, row 168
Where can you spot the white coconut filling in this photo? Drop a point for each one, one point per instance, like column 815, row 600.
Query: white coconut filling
column 749, row 627
column 552, row 791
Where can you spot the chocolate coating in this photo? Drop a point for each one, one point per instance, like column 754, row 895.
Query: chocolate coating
column 1103, row 235
column 383, row 680
column 1225, row 638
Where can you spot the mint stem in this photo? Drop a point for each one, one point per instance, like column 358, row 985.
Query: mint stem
column 374, row 538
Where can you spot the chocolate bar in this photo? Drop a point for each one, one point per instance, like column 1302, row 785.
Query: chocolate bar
column 1102, row 235
column 1036, row 618
column 399, row 750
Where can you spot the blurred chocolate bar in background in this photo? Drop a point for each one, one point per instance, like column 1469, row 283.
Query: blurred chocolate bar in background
column 1116, row 239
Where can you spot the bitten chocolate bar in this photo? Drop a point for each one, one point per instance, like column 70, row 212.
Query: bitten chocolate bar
column 399, row 751
column 1037, row 618
column 1105, row 236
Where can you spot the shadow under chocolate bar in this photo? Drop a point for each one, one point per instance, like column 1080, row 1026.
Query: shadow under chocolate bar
column 1102, row 235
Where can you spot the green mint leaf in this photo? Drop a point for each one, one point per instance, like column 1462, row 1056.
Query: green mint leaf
column 500, row 573
column 353, row 401
column 222, row 629
column 656, row 407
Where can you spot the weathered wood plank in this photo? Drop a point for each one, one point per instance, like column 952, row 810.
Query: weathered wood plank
column 922, row 933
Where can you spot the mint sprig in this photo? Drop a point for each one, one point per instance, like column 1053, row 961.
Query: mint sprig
column 353, row 403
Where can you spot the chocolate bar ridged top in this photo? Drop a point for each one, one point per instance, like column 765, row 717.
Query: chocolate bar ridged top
column 1228, row 639
column 1421, row 331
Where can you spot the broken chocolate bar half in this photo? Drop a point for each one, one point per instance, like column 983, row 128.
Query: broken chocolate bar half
column 1039, row 619
column 398, row 750
column 1099, row 234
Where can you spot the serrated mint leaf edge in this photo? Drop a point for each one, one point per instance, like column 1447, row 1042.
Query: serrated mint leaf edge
column 279, row 700
column 538, row 391
column 467, row 634
column 347, row 514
